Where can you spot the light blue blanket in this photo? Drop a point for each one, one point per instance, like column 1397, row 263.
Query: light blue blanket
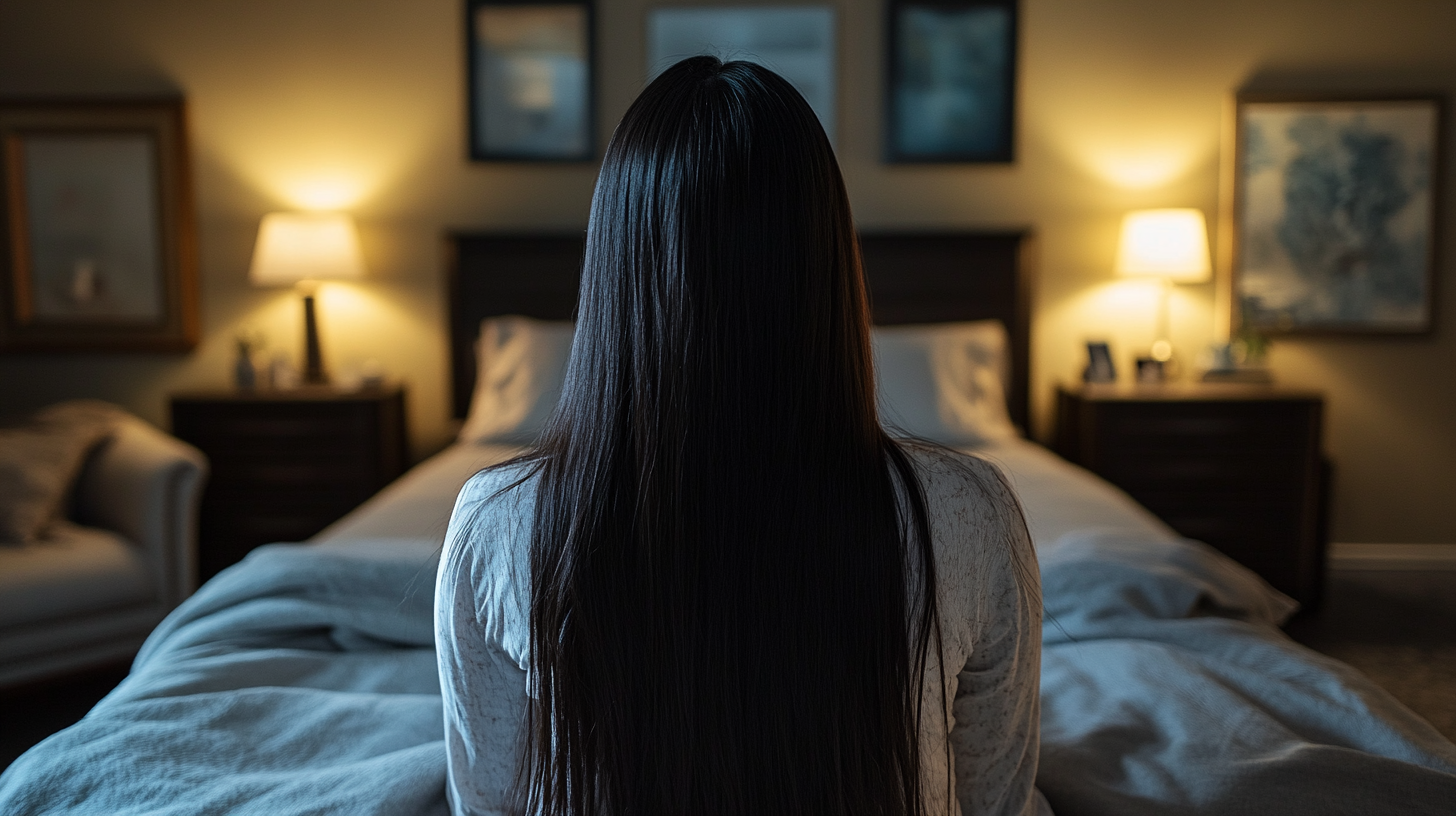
column 303, row 681
column 1168, row 689
column 300, row 681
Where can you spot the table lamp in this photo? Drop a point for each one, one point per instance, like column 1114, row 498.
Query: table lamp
column 302, row 249
column 1169, row 244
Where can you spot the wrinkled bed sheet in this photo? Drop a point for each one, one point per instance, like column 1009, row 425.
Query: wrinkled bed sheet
column 303, row 681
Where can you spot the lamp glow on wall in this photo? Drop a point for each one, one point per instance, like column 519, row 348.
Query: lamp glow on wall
column 1169, row 244
column 301, row 249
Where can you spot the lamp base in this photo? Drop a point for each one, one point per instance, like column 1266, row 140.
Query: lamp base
column 313, row 367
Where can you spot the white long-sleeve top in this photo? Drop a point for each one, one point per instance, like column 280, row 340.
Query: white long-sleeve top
column 990, row 615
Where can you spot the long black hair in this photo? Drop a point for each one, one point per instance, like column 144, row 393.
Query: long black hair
column 730, row 608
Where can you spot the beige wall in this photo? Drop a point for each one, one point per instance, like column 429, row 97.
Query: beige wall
column 359, row 105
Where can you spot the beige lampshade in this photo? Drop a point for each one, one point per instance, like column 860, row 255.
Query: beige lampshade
column 1169, row 243
column 305, row 246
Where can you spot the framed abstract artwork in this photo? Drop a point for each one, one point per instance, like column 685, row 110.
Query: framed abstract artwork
column 529, row 69
column 100, row 247
column 951, row 83
column 797, row 42
column 1335, row 205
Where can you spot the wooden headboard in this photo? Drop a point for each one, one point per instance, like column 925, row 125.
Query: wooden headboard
column 922, row 277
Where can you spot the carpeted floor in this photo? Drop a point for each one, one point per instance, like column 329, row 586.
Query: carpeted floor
column 1397, row 627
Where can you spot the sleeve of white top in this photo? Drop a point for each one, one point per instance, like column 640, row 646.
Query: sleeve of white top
column 996, row 709
column 483, row 687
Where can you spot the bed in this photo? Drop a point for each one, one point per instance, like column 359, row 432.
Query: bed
column 303, row 680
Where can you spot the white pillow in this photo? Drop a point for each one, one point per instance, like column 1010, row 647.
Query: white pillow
column 945, row 382
column 520, row 365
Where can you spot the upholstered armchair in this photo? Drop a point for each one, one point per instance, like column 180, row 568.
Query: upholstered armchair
column 122, row 558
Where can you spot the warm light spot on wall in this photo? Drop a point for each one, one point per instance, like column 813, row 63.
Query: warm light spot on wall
column 362, row 323
column 329, row 192
column 1119, row 305
column 313, row 177
column 1142, row 168
column 1123, row 312
column 350, row 305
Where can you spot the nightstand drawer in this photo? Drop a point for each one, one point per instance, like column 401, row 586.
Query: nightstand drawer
column 262, row 470
column 272, row 525
column 286, row 464
column 1139, row 428
column 1226, row 517
column 302, row 429
column 236, row 503
column 1237, row 468
column 1232, row 468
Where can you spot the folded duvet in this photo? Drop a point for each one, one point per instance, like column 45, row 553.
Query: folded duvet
column 300, row 681
column 303, row 681
column 1167, row 689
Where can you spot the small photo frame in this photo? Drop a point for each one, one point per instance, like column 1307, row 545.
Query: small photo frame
column 951, row 85
column 796, row 42
column 1099, row 363
column 1335, row 203
column 1151, row 371
column 100, row 246
column 529, row 68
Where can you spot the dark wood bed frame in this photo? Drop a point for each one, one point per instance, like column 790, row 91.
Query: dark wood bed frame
column 921, row 277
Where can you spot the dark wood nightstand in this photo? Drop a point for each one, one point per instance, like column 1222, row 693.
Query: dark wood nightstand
column 1236, row 466
column 286, row 464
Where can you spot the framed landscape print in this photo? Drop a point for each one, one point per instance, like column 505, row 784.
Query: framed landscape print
column 951, row 84
column 99, row 236
column 796, row 42
column 1334, row 213
column 529, row 69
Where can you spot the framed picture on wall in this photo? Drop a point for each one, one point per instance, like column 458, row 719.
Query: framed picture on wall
column 1335, row 203
column 529, row 69
column 951, row 81
column 797, row 42
column 100, row 249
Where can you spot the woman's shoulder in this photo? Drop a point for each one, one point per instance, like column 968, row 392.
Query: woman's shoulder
column 952, row 479
column 493, row 510
column 975, row 518
column 513, row 480
column 499, row 493
column 484, row 568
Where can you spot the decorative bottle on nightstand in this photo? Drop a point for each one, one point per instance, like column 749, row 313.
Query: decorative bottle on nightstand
column 245, row 374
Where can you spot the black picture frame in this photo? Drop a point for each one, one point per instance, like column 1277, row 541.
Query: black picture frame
column 530, row 68
column 1337, row 212
column 958, row 110
column 1100, row 368
column 98, row 233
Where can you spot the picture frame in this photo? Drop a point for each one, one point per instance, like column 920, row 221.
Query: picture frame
column 1150, row 371
column 950, row 87
column 796, row 41
column 99, row 245
column 1336, row 203
column 1100, row 368
column 530, row 79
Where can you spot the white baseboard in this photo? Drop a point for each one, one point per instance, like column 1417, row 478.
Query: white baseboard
column 1392, row 556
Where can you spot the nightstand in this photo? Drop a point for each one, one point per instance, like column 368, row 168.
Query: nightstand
column 1235, row 466
column 286, row 464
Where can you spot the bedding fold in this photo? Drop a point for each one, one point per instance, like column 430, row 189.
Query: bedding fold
column 1168, row 689
column 301, row 680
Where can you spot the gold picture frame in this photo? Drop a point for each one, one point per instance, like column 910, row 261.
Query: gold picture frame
column 99, row 248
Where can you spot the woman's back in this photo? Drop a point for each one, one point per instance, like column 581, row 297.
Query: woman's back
column 729, row 578
column 990, row 624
